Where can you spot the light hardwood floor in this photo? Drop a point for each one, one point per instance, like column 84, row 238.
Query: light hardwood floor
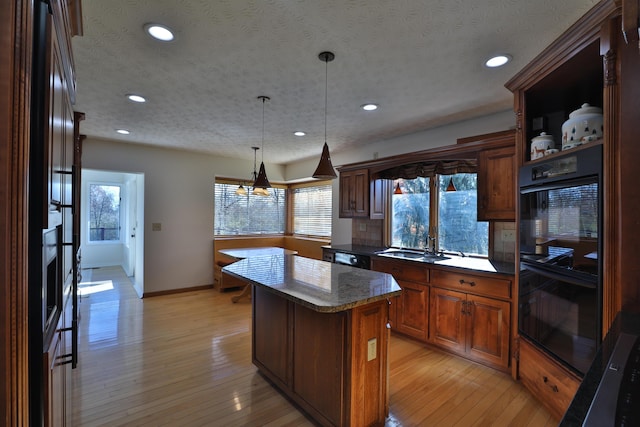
column 185, row 360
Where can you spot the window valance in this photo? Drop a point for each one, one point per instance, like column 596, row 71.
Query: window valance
column 429, row 169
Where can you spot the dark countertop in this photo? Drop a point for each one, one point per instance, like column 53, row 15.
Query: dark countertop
column 318, row 285
column 577, row 411
column 469, row 263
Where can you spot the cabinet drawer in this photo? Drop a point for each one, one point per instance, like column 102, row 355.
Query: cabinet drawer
column 402, row 270
column 553, row 385
column 481, row 285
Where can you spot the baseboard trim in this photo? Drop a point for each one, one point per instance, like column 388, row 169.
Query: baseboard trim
column 176, row 291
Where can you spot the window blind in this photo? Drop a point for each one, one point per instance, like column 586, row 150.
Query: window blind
column 248, row 214
column 312, row 210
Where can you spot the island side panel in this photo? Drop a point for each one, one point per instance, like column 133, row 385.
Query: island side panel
column 271, row 336
column 369, row 364
column 320, row 365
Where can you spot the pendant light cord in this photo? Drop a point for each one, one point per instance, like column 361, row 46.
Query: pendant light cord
column 264, row 98
column 326, row 80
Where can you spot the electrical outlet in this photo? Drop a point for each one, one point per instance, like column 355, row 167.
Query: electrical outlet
column 508, row 235
column 363, row 226
column 156, row 226
column 372, row 349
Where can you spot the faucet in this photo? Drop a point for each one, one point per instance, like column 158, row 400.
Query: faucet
column 430, row 245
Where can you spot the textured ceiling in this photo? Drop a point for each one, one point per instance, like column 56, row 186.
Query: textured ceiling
column 422, row 61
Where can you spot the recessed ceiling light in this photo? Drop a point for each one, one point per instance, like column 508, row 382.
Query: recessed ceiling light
column 159, row 32
column 369, row 107
column 497, row 61
column 299, row 133
column 123, row 131
column 136, row 98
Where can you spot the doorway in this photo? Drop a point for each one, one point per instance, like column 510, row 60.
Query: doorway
column 122, row 244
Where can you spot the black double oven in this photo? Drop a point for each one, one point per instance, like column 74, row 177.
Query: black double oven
column 560, row 287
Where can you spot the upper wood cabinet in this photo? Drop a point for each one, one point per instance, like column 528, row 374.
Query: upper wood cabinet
column 354, row 193
column 496, row 175
column 497, row 184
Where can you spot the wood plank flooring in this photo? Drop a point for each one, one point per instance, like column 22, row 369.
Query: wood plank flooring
column 185, row 360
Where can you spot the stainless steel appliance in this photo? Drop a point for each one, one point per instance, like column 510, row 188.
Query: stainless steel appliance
column 560, row 271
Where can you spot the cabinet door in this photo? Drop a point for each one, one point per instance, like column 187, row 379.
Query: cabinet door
column 447, row 320
column 496, row 184
column 488, row 330
column 378, row 198
column 411, row 315
column 354, row 193
column 54, row 384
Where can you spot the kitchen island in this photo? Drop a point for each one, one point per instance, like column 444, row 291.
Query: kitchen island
column 320, row 334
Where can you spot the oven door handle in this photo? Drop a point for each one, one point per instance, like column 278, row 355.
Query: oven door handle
column 587, row 282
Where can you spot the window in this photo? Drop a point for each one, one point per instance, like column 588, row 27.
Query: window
column 458, row 228
column 104, row 213
column 426, row 208
column 249, row 213
column 312, row 210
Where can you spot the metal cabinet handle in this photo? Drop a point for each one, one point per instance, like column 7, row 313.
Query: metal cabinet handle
column 472, row 283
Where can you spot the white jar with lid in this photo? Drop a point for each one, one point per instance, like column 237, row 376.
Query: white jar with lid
column 540, row 144
column 584, row 125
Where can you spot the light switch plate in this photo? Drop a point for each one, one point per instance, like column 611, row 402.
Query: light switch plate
column 372, row 349
column 156, row 226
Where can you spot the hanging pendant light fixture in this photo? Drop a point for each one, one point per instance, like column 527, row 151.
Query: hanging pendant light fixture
column 241, row 191
column 257, row 191
column 451, row 186
column 325, row 168
column 398, row 190
column 261, row 182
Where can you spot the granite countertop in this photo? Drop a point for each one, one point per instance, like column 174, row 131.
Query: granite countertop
column 318, row 285
column 454, row 261
column 577, row 411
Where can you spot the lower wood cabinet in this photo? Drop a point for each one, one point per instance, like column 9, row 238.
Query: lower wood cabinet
column 550, row 382
column 470, row 325
column 412, row 308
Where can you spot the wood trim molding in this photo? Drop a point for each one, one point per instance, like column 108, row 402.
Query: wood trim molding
column 16, row 29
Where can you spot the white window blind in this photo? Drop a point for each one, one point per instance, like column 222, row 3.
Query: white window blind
column 248, row 214
column 312, row 210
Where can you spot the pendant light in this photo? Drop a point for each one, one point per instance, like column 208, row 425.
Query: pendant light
column 261, row 182
column 451, row 186
column 241, row 191
column 325, row 168
column 398, row 190
column 257, row 191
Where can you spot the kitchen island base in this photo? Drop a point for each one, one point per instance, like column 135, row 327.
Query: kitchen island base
column 333, row 365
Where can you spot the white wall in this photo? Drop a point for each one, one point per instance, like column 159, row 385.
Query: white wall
column 179, row 192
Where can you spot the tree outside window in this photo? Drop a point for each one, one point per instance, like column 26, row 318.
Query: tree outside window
column 454, row 224
column 104, row 212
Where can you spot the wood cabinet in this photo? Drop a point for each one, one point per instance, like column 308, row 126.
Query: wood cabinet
column 472, row 326
column 550, row 382
column 497, row 183
column 378, row 198
column 354, row 193
column 409, row 312
column 467, row 318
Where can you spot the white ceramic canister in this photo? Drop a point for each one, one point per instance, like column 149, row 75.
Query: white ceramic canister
column 540, row 144
column 584, row 125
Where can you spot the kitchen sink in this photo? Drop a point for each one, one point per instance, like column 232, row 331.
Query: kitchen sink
column 414, row 255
